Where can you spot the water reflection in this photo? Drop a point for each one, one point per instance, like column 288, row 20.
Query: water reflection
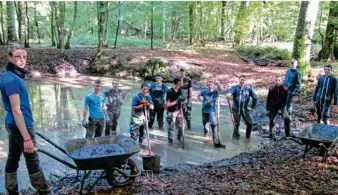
column 57, row 110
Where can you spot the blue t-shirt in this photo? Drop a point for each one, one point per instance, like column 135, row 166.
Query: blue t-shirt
column 95, row 103
column 11, row 84
column 209, row 100
column 157, row 93
column 137, row 99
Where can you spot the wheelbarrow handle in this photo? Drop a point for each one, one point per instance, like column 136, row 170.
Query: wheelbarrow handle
column 51, row 142
column 56, row 158
column 295, row 139
column 335, row 141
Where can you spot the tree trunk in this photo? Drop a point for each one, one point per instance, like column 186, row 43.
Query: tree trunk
column 67, row 46
column 11, row 30
column 27, row 45
column 118, row 26
column 152, row 26
column 61, row 28
column 329, row 39
column 105, row 44
column 52, row 22
column 101, row 19
column 2, row 34
column 37, row 22
column 224, row 3
column 201, row 38
column 335, row 47
column 19, row 19
column 241, row 25
column 22, row 22
column 174, row 24
column 163, row 21
column 304, row 32
column 191, row 23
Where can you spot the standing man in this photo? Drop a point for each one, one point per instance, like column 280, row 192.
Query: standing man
column 275, row 104
column 187, row 93
column 141, row 104
column 240, row 107
column 173, row 104
column 97, row 111
column 158, row 91
column 325, row 91
column 115, row 98
column 210, row 96
column 19, row 123
column 292, row 82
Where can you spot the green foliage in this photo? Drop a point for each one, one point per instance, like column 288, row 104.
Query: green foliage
column 154, row 66
column 262, row 52
column 194, row 75
column 302, row 68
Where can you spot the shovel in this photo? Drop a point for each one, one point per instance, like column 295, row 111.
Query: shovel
column 182, row 123
column 230, row 110
column 147, row 129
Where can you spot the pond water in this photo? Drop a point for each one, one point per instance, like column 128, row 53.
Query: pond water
column 57, row 110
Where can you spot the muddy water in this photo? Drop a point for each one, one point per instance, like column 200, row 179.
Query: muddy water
column 57, row 110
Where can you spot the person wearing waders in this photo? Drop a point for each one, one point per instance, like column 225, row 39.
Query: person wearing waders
column 210, row 96
column 94, row 102
column 292, row 82
column 174, row 101
column 187, row 93
column 241, row 94
column 115, row 98
column 141, row 103
column 275, row 103
column 325, row 92
column 157, row 91
column 19, row 123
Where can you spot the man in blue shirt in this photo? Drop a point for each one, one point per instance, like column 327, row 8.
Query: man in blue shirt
column 141, row 104
column 292, row 82
column 210, row 96
column 19, row 123
column 324, row 94
column 115, row 98
column 241, row 94
column 94, row 102
column 157, row 91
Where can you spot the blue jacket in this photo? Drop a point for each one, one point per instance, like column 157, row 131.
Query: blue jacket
column 158, row 96
column 242, row 96
column 292, row 81
column 321, row 92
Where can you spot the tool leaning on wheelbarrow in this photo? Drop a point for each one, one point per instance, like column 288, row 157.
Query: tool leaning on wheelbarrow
column 321, row 136
column 118, row 168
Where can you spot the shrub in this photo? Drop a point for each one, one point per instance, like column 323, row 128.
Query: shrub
column 263, row 52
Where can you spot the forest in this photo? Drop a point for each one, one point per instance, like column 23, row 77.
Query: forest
column 305, row 30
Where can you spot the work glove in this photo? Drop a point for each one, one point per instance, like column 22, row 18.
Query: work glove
column 249, row 108
column 228, row 96
column 108, row 121
column 313, row 109
column 84, row 123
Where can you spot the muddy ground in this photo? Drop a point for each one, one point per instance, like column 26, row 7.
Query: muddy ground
column 275, row 169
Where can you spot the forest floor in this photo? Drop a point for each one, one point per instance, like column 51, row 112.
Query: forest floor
column 275, row 169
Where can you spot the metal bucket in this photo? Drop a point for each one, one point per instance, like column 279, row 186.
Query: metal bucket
column 152, row 163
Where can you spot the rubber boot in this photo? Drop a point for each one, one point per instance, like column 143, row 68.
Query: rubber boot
column 39, row 183
column 287, row 124
column 235, row 133
column 248, row 130
column 11, row 183
column 189, row 125
column 270, row 132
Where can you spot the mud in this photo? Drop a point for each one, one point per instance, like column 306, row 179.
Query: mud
column 97, row 151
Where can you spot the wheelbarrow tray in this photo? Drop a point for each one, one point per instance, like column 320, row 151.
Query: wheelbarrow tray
column 102, row 162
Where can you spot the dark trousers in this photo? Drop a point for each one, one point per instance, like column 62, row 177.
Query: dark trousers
column 187, row 114
column 114, row 117
column 95, row 128
column 272, row 115
column 156, row 112
column 211, row 119
column 246, row 115
column 322, row 110
column 15, row 149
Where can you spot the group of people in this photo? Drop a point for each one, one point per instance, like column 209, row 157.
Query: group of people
column 105, row 108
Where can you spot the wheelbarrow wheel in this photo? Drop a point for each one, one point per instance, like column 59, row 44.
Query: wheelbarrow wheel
column 115, row 178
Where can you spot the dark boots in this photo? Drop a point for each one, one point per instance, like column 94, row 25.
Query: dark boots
column 287, row 124
column 248, row 130
column 11, row 183
column 235, row 133
column 189, row 125
column 270, row 131
column 39, row 183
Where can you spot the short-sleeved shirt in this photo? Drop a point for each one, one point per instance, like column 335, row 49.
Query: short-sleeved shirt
column 209, row 100
column 113, row 99
column 157, row 93
column 11, row 84
column 172, row 96
column 186, row 86
column 95, row 105
column 137, row 101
